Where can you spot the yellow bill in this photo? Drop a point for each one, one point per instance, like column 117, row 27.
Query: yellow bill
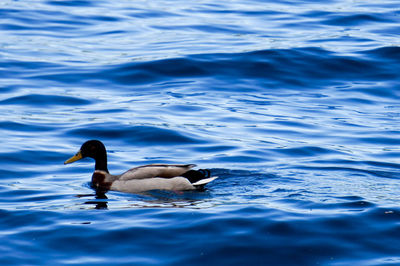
column 74, row 158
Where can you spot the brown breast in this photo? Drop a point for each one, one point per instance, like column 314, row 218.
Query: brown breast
column 98, row 181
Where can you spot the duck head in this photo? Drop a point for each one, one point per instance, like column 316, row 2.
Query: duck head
column 93, row 149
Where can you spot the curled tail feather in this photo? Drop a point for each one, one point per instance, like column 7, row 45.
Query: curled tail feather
column 195, row 175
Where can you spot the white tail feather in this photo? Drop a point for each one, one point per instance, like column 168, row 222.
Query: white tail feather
column 205, row 181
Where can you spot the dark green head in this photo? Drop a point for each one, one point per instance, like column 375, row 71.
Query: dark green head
column 93, row 149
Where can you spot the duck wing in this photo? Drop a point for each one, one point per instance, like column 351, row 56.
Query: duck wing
column 156, row 170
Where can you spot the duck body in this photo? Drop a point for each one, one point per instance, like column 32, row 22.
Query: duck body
column 142, row 178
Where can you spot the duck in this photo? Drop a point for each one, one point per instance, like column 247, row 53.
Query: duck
column 174, row 177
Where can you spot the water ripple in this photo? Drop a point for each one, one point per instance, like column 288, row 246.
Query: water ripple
column 43, row 100
column 294, row 109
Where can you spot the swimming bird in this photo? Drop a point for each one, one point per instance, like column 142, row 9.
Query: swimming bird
column 141, row 178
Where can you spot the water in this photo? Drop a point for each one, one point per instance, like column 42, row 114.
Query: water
column 293, row 104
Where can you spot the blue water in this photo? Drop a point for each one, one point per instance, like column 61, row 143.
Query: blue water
column 293, row 104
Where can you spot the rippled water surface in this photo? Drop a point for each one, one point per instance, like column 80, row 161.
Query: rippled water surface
column 293, row 104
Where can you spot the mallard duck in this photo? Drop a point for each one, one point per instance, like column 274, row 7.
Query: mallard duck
column 141, row 178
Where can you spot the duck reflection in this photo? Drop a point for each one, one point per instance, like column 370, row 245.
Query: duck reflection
column 154, row 199
column 100, row 201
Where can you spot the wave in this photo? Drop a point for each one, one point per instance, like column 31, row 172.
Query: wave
column 296, row 69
